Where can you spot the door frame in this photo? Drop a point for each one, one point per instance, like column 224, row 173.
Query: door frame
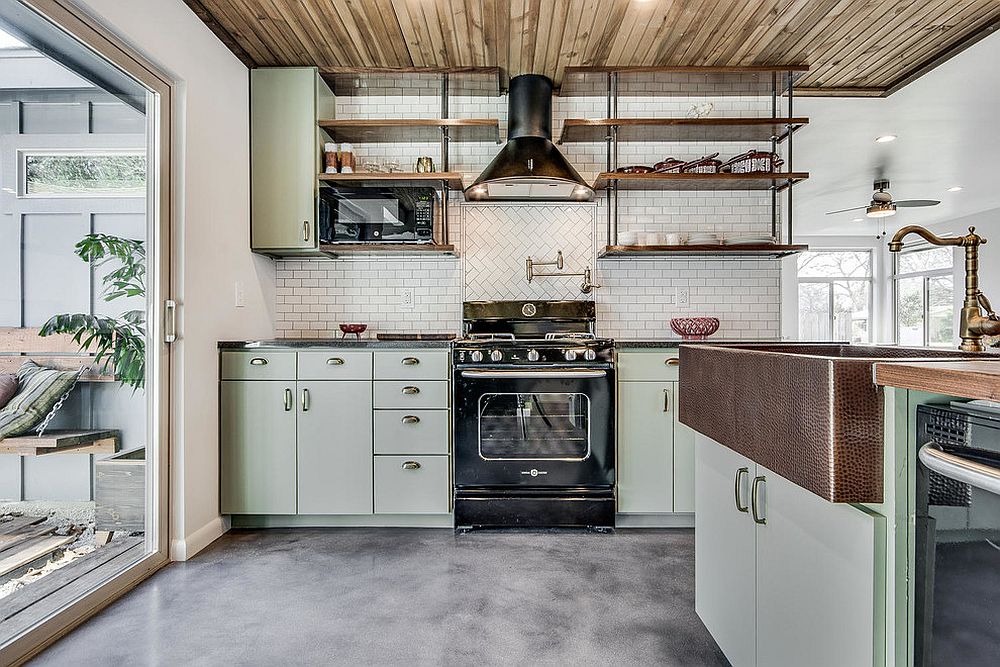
column 160, row 211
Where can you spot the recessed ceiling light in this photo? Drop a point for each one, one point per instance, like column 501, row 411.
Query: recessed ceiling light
column 885, row 138
column 858, row 220
column 955, row 188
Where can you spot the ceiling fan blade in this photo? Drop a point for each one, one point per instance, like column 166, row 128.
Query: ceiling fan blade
column 917, row 202
column 845, row 210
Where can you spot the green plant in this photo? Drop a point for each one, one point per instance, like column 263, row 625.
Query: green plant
column 119, row 344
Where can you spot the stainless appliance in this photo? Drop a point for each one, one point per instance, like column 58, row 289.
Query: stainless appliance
column 534, row 405
column 376, row 215
column 957, row 566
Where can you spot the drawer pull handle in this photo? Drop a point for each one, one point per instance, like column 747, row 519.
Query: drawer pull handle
column 673, row 361
column 305, row 400
column 289, row 401
column 334, row 361
column 411, row 390
column 755, row 500
column 410, row 465
column 740, row 507
column 410, row 361
column 411, row 419
column 258, row 361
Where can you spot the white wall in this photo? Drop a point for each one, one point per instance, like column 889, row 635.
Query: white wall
column 211, row 241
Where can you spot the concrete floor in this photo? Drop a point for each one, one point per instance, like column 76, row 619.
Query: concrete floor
column 409, row 596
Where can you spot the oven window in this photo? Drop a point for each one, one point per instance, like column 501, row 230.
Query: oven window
column 540, row 427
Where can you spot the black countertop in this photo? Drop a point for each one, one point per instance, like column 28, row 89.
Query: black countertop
column 623, row 344
column 372, row 343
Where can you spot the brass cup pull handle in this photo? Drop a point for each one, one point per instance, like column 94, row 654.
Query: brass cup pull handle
column 673, row 361
column 410, row 465
column 755, row 500
column 410, row 361
column 305, row 400
column 736, row 489
column 411, row 419
column 334, row 361
column 411, row 390
column 258, row 361
column 289, row 401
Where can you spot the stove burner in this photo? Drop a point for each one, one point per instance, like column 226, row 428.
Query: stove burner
column 490, row 336
column 570, row 335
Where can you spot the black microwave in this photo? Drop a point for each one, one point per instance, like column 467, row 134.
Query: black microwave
column 376, row 215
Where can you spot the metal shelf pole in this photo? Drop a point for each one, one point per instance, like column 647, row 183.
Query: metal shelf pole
column 445, row 148
column 791, row 82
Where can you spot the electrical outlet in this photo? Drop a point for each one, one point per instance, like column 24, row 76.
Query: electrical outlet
column 239, row 297
column 682, row 298
column 406, row 303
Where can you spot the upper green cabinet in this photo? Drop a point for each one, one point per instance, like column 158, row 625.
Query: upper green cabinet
column 286, row 143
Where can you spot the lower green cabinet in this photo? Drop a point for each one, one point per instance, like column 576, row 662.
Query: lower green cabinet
column 412, row 485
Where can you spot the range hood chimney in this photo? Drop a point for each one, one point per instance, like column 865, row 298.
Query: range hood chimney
column 529, row 166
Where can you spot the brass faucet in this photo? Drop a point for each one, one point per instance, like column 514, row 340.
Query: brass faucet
column 973, row 325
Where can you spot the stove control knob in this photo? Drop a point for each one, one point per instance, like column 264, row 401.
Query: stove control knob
column 532, row 355
column 496, row 355
column 569, row 355
column 476, row 355
column 589, row 355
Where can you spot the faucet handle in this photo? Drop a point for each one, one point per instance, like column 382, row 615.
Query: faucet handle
column 985, row 303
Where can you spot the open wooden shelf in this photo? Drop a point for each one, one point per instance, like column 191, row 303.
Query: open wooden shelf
column 762, row 250
column 680, row 129
column 396, row 179
column 388, row 250
column 654, row 181
column 399, row 130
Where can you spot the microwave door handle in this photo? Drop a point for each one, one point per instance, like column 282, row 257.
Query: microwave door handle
column 960, row 468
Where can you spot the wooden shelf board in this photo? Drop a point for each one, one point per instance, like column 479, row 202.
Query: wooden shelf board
column 388, row 249
column 396, row 179
column 758, row 181
column 398, row 130
column 764, row 250
column 680, row 129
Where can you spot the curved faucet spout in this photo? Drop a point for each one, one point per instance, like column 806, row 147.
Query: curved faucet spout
column 897, row 240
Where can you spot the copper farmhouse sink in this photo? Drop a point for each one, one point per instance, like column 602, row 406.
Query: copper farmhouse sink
column 809, row 412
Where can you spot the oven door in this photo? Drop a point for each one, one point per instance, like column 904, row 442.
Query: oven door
column 534, row 427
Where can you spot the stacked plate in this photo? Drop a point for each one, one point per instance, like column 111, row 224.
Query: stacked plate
column 704, row 238
column 751, row 240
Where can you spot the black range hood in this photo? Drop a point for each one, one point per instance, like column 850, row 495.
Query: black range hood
column 529, row 166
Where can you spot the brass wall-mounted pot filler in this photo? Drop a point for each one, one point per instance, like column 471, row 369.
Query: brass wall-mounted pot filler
column 973, row 324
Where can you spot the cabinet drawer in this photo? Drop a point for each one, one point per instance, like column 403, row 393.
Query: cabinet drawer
column 411, row 364
column 657, row 365
column 258, row 365
column 410, row 394
column 412, row 485
column 411, row 432
column 335, row 365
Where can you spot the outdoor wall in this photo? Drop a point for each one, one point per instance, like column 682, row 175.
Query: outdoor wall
column 210, row 241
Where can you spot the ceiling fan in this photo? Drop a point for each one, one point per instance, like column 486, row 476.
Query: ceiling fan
column 882, row 204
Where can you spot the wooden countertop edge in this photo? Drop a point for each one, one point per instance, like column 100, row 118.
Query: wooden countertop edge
column 975, row 379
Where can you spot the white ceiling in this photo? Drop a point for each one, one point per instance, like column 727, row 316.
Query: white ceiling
column 948, row 124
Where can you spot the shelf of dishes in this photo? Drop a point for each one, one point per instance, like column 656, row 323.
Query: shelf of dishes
column 764, row 250
column 698, row 181
column 680, row 129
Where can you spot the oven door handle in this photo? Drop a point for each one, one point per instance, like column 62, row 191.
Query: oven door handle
column 536, row 374
column 959, row 468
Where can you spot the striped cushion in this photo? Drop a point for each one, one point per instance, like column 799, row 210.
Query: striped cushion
column 39, row 389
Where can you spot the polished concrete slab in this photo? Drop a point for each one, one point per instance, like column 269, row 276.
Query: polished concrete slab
column 387, row 596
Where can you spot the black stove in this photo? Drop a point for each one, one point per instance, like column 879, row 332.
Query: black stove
column 534, row 417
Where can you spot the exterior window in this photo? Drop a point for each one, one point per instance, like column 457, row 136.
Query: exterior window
column 83, row 174
column 924, row 297
column 835, row 295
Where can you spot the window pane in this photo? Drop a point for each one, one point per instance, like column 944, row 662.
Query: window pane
column 119, row 175
column 910, row 311
column 814, row 311
column 835, row 264
column 851, row 319
column 940, row 310
column 928, row 259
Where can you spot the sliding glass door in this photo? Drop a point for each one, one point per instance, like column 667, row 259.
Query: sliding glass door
column 84, row 330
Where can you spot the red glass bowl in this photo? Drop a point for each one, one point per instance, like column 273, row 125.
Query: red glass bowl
column 694, row 328
column 356, row 329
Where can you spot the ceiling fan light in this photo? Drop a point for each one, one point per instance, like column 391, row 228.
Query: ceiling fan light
column 878, row 210
column 885, row 138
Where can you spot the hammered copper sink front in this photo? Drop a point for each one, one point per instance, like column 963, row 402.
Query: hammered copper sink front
column 811, row 412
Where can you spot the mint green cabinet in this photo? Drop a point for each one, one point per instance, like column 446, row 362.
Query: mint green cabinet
column 783, row 577
column 257, row 457
column 285, row 157
column 334, row 447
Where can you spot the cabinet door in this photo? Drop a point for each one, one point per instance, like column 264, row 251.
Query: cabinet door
column 645, row 446
column 257, row 435
column 816, row 579
column 284, row 158
column 335, row 447
column 683, row 462
column 724, row 551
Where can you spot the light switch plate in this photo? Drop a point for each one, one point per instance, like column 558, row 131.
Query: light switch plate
column 406, row 302
column 682, row 298
column 239, row 295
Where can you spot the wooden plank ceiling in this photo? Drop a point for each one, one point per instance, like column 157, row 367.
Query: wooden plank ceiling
column 851, row 46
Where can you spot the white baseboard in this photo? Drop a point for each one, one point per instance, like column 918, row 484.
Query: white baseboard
column 675, row 520
column 183, row 549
